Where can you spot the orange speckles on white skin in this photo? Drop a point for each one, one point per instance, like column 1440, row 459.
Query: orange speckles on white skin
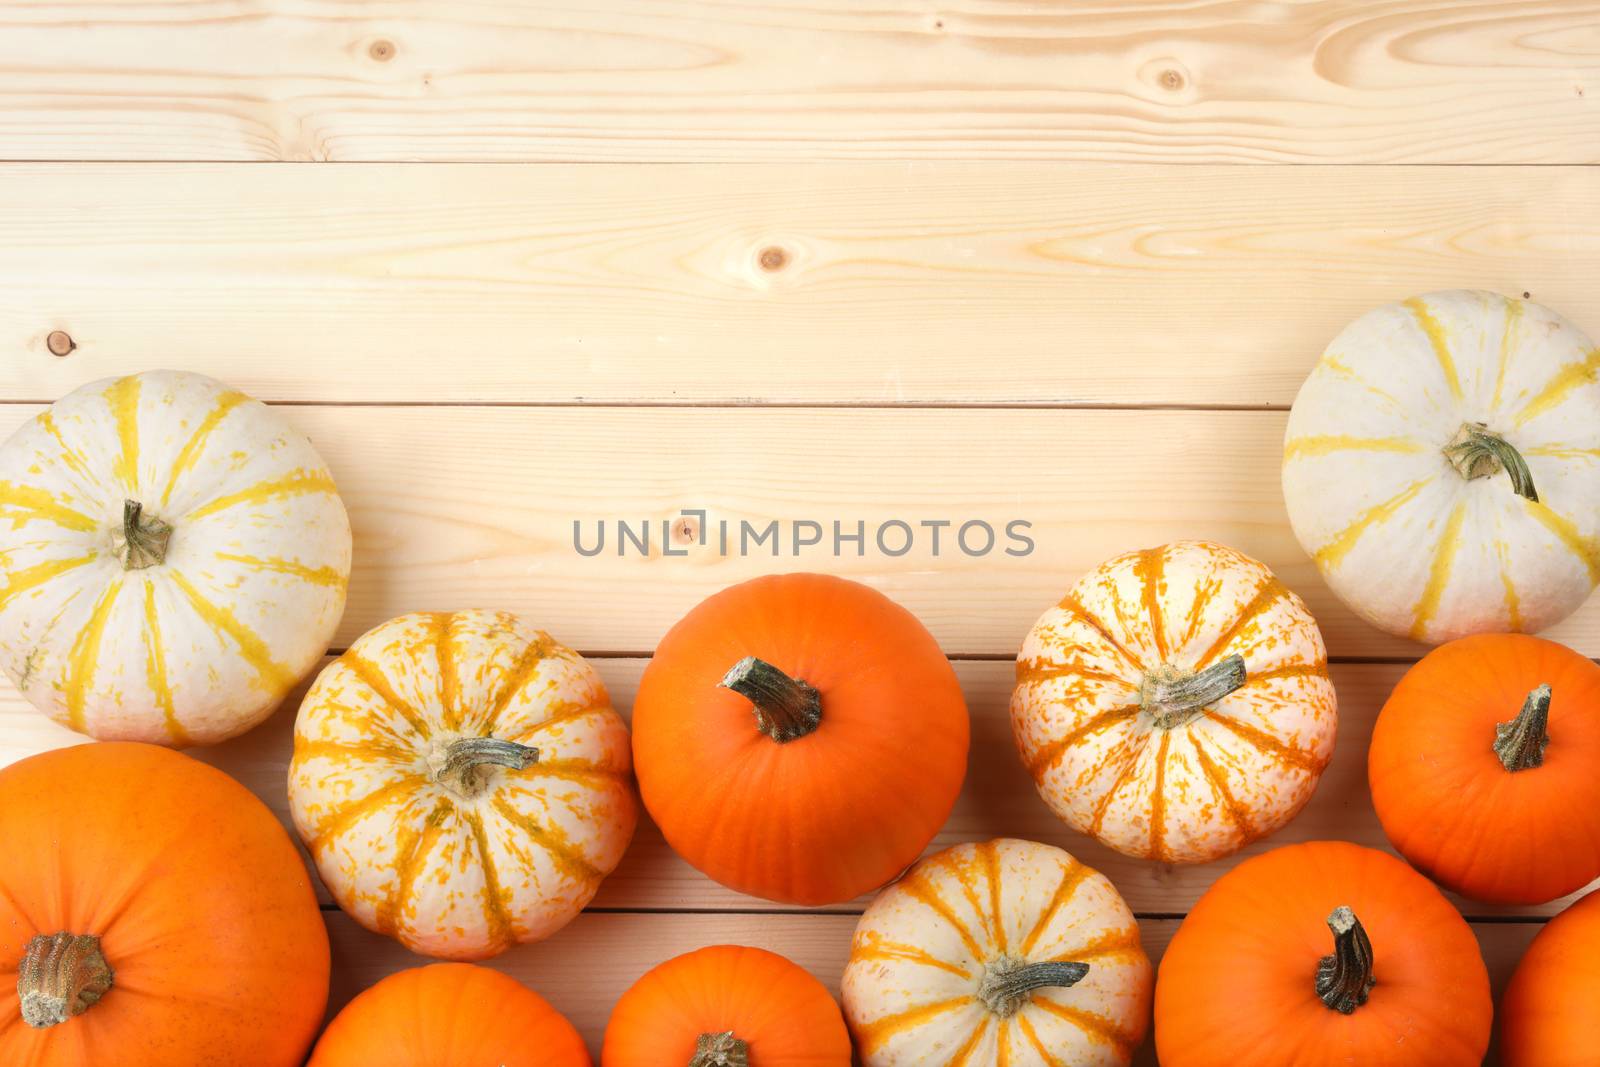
column 1202, row 789
column 453, row 876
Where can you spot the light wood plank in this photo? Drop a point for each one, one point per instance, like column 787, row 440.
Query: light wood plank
column 998, row 798
column 947, row 284
column 1475, row 81
column 586, row 967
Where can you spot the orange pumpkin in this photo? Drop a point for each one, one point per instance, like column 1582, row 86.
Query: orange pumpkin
column 450, row 1015
column 1547, row 1016
column 1319, row 955
column 1483, row 768
column 153, row 913
column 726, row 1006
column 799, row 738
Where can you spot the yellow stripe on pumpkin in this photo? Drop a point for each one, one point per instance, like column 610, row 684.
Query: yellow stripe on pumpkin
column 1327, row 444
column 192, row 448
column 1335, row 550
column 1097, row 1028
column 84, row 656
column 876, row 1034
column 337, row 820
column 1072, row 877
column 296, row 483
column 1441, row 344
column 1340, row 369
column 1513, row 318
column 1439, row 572
column 328, row 576
column 1587, row 549
column 276, row 677
column 411, row 851
column 1558, row 388
column 20, row 503
column 123, row 396
column 501, row 930
column 20, row 581
column 963, row 1055
column 75, row 460
column 917, row 886
column 872, row 947
column 563, row 854
column 155, row 667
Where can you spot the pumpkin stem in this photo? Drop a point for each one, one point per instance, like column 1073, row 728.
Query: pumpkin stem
column 61, row 976
column 720, row 1050
column 460, row 764
column 142, row 540
column 1008, row 981
column 1520, row 743
column 1344, row 979
column 1477, row 452
column 786, row 708
column 1173, row 696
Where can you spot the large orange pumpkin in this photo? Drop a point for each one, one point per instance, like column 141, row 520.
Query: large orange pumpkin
column 450, row 1015
column 726, row 1006
column 1547, row 1015
column 1318, row 955
column 153, row 913
column 800, row 738
column 1483, row 768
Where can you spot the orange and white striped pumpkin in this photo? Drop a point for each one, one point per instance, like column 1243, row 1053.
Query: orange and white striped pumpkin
column 174, row 556
column 1442, row 466
column 1176, row 704
column 1002, row 954
column 462, row 782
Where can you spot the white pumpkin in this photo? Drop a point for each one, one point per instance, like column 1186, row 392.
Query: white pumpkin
column 462, row 782
column 1002, row 954
column 174, row 556
column 1442, row 466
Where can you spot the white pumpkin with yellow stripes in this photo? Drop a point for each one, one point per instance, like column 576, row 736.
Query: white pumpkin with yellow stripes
column 1442, row 466
column 175, row 559
column 1002, row 954
column 462, row 782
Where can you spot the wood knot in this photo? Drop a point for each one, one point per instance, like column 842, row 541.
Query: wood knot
column 1527, row 295
column 382, row 51
column 60, row 342
column 686, row 531
column 773, row 258
column 1171, row 80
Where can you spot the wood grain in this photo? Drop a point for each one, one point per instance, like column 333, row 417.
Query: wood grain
column 475, row 507
column 1474, row 81
column 586, row 967
column 998, row 799
column 854, row 284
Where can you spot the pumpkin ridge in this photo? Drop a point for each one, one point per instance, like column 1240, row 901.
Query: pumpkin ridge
column 567, row 859
column 1033, row 672
column 575, row 770
column 252, row 648
column 1326, row 443
column 1046, row 758
column 1441, row 344
column 533, row 653
column 72, row 457
column 307, row 748
column 123, row 398
column 873, row 947
column 1158, row 801
column 1219, row 785
column 1502, row 553
column 991, row 869
column 1095, row 1026
column 1439, row 572
column 29, row 577
column 1266, row 595
column 1033, row 1038
column 876, row 1033
column 155, row 667
column 410, row 851
column 1288, row 670
column 964, row 1053
column 328, row 576
column 1112, row 943
column 1149, row 569
column 919, row 889
column 81, row 660
column 1586, row 549
column 1513, row 319
column 343, row 817
column 1071, row 878
column 194, row 447
column 373, row 677
column 1002, row 1050
column 1564, row 381
column 22, row 503
column 295, row 483
column 572, row 710
column 501, row 928
column 1268, row 745
column 449, row 680
column 1336, row 549
column 1074, row 607
column 1125, row 775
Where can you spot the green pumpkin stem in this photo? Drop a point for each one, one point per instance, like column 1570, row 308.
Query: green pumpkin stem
column 142, row 540
column 786, row 708
column 1172, row 696
column 720, row 1050
column 1344, row 979
column 1477, row 452
column 61, row 977
column 1520, row 743
column 1008, row 981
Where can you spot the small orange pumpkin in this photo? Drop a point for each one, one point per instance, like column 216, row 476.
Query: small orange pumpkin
column 153, row 913
column 726, row 1006
column 800, row 738
column 1254, row 979
column 1483, row 768
column 450, row 1015
column 1547, row 1015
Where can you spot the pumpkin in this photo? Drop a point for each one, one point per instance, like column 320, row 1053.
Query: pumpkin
column 1175, row 704
column 726, row 1006
column 1322, row 954
column 1004, row 952
column 1547, row 1014
column 1482, row 768
column 153, row 913
column 800, row 738
column 462, row 782
column 174, row 559
column 1442, row 466
column 450, row 1015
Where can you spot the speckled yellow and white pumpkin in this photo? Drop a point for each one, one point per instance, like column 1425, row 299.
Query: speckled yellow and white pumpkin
column 174, row 558
column 1176, row 704
column 1442, row 466
column 1002, row 954
column 462, row 782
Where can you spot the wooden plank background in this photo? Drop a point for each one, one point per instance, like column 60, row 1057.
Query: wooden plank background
column 983, row 259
